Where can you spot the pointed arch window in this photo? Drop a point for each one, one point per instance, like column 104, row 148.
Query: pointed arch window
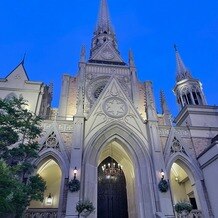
column 10, row 96
column 98, row 91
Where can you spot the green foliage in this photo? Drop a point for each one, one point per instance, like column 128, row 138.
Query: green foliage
column 74, row 185
column 85, row 205
column 163, row 185
column 19, row 130
column 183, row 205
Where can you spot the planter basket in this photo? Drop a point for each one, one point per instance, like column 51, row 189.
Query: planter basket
column 85, row 213
column 84, row 208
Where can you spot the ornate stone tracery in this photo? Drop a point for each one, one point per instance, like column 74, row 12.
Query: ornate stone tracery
column 177, row 147
column 115, row 107
column 51, row 142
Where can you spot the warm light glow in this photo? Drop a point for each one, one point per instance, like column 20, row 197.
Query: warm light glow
column 75, row 172
column 49, row 200
column 162, row 173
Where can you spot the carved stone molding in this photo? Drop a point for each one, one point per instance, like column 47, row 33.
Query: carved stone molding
column 115, row 107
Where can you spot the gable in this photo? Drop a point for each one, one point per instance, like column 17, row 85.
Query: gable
column 18, row 74
column 108, row 54
column 53, row 141
column 114, row 106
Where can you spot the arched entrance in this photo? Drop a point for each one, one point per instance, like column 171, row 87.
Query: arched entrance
column 132, row 154
column 114, row 149
column 112, row 196
column 181, row 185
column 50, row 171
column 186, row 183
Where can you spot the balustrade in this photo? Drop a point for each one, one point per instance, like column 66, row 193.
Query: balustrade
column 41, row 213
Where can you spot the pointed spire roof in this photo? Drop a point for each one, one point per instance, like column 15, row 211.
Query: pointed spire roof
column 104, row 23
column 181, row 71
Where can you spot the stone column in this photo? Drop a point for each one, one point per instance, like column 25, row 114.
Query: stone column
column 163, row 200
column 75, row 161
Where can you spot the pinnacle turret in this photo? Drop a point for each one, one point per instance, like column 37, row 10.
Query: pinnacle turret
column 181, row 71
column 163, row 102
column 188, row 90
column 83, row 54
column 131, row 59
column 165, row 109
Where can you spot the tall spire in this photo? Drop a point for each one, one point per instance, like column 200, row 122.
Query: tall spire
column 104, row 24
column 181, row 72
column 104, row 44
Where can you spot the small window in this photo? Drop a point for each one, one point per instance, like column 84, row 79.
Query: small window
column 189, row 98
column 195, row 98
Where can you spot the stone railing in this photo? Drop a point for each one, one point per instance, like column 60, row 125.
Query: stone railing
column 192, row 214
column 196, row 214
column 41, row 213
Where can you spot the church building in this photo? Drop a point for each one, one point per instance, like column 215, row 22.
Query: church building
column 130, row 161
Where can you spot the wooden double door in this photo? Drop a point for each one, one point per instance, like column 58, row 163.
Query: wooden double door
column 112, row 196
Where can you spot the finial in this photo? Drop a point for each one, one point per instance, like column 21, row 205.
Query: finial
column 162, row 96
column 83, row 54
column 175, row 47
column 23, row 59
column 165, row 109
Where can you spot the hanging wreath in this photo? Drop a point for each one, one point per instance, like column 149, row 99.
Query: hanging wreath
column 74, row 185
column 163, row 185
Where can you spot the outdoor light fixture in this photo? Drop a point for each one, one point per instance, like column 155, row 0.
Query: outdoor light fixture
column 75, row 172
column 49, row 199
column 162, row 174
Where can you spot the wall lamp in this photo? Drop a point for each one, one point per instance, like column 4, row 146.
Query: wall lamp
column 49, row 199
column 75, row 173
column 162, row 174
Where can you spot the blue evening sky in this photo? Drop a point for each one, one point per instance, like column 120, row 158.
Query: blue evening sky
column 51, row 33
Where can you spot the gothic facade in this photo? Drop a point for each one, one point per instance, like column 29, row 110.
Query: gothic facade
column 107, row 116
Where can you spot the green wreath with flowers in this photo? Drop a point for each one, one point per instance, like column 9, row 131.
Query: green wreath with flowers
column 74, row 185
column 163, row 185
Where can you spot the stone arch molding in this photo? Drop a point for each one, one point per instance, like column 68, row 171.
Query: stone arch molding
column 144, row 198
column 10, row 96
column 47, row 154
column 189, row 166
column 58, row 158
column 196, row 177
